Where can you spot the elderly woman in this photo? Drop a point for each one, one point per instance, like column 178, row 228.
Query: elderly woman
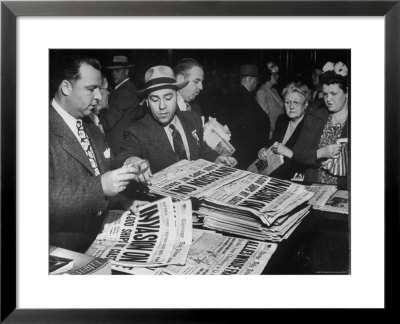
column 268, row 97
column 287, row 130
column 322, row 143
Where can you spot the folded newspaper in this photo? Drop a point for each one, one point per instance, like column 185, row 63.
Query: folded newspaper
column 217, row 137
column 160, row 235
column 216, row 254
column 273, row 162
column 337, row 203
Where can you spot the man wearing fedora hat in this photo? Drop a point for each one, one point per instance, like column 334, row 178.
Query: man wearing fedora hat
column 123, row 103
column 166, row 135
column 249, row 124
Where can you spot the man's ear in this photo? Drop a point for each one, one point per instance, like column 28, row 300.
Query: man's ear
column 66, row 87
column 180, row 78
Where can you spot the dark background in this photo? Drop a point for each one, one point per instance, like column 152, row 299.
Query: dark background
column 294, row 64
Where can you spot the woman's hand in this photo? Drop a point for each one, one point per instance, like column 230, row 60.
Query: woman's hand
column 279, row 148
column 262, row 154
column 329, row 151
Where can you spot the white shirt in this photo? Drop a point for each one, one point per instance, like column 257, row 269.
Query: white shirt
column 176, row 122
column 120, row 84
column 69, row 120
column 181, row 102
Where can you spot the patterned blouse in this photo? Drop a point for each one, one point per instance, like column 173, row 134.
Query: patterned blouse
column 330, row 135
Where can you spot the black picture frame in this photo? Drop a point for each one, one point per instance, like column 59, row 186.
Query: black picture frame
column 11, row 10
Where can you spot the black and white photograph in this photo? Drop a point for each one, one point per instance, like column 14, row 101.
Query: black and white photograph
column 245, row 151
column 200, row 161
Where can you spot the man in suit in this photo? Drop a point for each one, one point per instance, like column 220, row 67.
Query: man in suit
column 188, row 69
column 81, row 187
column 249, row 125
column 166, row 135
column 102, row 104
column 123, row 103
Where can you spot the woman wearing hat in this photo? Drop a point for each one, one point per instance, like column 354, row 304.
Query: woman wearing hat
column 322, row 144
column 268, row 97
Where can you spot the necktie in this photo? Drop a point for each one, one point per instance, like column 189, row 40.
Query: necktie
column 188, row 107
column 85, row 143
column 179, row 148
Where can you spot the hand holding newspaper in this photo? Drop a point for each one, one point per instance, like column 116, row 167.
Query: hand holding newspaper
column 273, row 161
column 217, row 137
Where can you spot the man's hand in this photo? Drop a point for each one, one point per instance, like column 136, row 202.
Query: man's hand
column 226, row 160
column 133, row 205
column 116, row 181
column 144, row 174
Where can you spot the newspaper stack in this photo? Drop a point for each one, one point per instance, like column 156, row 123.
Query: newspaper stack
column 217, row 137
column 231, row 190
column 215, row 254
column 160, row 235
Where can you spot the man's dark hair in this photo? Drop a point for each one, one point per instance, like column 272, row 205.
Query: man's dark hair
column 185, row 64
column 67, row 68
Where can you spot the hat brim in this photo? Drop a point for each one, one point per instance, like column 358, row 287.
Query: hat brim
column 119, row 67
column 175, row 86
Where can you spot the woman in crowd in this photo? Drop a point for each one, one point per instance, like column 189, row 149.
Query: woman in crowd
column 287, row 130
column 268, row 97
column 322, row 143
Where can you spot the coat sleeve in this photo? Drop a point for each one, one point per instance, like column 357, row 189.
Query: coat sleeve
column 131, row 146
column 72, row 198
column 306, row 146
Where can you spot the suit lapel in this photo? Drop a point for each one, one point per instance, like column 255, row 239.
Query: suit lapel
column 70, row 142
column 159, row 139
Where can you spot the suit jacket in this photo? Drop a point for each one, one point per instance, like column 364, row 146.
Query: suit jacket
column 123, row 110
column 76, row 195
column 305, row 149
column 289, row 168
column 249, row 125
column 147, row 139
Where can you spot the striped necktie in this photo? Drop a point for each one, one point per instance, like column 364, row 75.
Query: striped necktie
column 179, row 148
column 85, row 143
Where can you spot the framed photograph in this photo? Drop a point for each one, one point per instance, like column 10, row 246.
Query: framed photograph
column 30, row 29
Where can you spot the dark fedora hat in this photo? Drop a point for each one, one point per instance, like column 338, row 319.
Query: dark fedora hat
column 249, row 70
column 160, row 77
column 119, row 62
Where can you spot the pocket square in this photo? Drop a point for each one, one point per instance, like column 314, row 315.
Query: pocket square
column 107, row 153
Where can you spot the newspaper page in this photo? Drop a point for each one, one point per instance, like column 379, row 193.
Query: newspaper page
column 160, row 235
column 321, row 194
column 186, row 179
column 216, row 254
column 273, row 162
column 217, row 137
column 337, row 203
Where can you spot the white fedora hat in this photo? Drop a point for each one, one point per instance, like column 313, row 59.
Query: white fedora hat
column 160, row 77
column 119, row 62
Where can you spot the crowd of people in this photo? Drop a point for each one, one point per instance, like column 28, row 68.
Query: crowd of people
column 104, row 139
